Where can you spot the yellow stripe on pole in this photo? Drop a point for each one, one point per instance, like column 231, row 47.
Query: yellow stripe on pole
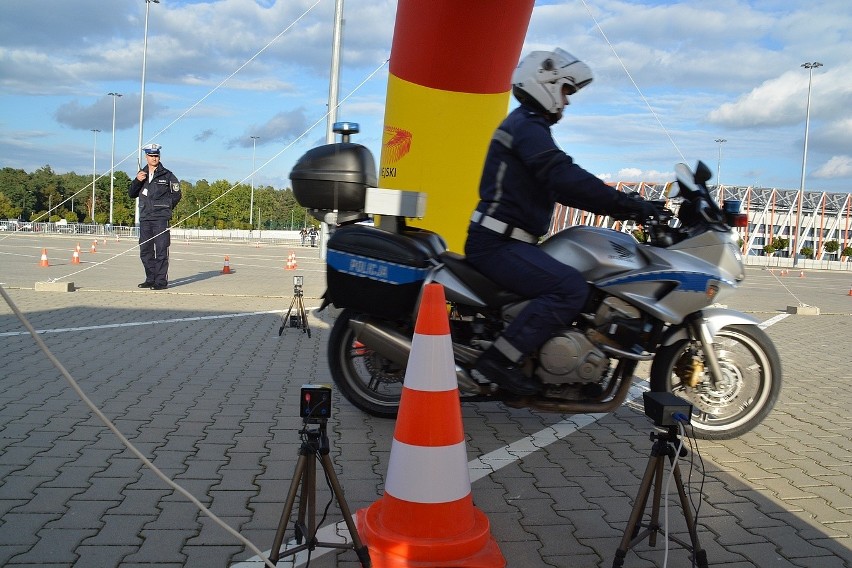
column 435, row 141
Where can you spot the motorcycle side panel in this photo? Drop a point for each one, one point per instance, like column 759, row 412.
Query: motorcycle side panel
column 595, row 252
column 454, row 289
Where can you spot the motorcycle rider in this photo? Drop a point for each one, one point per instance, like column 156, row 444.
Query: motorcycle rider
column 524, row 176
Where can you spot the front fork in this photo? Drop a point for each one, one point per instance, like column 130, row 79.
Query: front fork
column 699, row 330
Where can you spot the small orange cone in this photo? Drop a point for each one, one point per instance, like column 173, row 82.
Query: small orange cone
column 94, row 248
column 291, row 261
column 44, row 258
column 75, row 258
column 850, row 291
column 426, row 517
column 227, row 268
column 801, row 274
column 78, row 248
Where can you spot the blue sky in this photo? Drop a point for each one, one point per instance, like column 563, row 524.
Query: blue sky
column 222, row 71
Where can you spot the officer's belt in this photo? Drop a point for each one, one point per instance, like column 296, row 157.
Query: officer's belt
column 504, row 229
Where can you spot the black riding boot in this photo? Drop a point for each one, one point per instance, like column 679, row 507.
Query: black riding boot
column 501, row 370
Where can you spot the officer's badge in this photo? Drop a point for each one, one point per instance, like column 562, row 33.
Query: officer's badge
column 176, row 186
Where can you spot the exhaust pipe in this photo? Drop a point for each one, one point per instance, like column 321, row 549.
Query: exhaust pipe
column 390, row 343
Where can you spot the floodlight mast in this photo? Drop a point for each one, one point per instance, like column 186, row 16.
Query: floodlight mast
column 142, row 98
column 112, row 159
column 810, row 66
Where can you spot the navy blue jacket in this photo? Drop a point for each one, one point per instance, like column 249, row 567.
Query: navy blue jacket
column 526, row 173
column 162, row 196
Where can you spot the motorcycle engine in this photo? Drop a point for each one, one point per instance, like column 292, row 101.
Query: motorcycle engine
column 570, row 358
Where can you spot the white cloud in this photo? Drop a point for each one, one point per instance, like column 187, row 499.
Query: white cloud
column 783, row 100
column 637, row 175
column 836, row 167
column 727, row 69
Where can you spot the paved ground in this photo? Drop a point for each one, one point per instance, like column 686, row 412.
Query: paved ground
column 198, row 378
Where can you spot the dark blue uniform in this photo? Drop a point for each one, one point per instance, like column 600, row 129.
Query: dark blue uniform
column 158, row 195
column 525, row 174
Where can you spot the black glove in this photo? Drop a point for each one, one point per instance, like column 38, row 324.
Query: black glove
column 644, row 210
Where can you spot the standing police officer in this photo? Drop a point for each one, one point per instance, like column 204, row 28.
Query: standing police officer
column 158, row 191
column 525, row 174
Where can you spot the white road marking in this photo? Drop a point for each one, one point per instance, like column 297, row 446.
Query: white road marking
column 138, row 323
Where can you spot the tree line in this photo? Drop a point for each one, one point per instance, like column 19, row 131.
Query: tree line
column 44, row 195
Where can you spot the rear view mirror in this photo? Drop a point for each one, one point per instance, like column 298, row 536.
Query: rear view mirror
column 702, row 173
column 685, row 180
column 672, row 190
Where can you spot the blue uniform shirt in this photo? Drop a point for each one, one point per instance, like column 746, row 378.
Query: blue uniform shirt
column 526, row 173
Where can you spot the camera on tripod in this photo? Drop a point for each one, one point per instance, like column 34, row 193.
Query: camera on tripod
column 297, row 317
column 665, row 409
column 315, row 403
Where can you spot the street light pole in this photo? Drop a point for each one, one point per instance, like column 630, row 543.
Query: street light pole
column 719, row 141
column 251, row 202
column 142, row 98
column 94, row 171
column 810, row 66
column 112, row 159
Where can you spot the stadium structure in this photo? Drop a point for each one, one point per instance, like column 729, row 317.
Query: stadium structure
column 809, row 220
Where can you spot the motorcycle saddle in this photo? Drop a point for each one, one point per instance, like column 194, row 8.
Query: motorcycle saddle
column 490, row 292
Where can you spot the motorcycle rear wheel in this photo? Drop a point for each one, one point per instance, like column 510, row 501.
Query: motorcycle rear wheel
column 750, row 386
column 368, row 380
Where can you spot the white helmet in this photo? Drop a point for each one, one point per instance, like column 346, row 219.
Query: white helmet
column 541, row 74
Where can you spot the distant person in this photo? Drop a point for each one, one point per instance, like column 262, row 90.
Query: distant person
column 158, row 191
column 313, row 235
column 304, row 234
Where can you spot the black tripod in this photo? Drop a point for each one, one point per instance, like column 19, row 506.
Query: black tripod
column 300, row 318
column 666, row 445
column 314, row 448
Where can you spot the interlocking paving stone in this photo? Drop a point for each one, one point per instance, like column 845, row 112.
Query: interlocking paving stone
column 220, row 412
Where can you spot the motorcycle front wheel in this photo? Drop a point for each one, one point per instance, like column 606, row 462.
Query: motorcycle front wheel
column 750, row 385
column 368, row 380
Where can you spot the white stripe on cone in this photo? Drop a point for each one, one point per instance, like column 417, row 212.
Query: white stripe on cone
column 420, row 474
column 431, row 367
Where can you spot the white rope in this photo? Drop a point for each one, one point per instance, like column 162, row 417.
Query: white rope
column 629, row 76
column 199, row 101
column 76, row 387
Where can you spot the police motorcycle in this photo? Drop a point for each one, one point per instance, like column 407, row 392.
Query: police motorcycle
column 651, row 302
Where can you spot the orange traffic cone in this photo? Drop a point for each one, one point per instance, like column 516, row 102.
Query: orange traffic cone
column 291, row 261
column 94, row 248
column 75, row 258
column 426, row 517
column 44, row 258
column 850, row 291
column 78, row 248
column 227, row 268
column 801, row 274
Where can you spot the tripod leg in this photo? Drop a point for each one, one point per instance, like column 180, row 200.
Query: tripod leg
column 310, row 503
column 698, row 553
column 286, row 319
column 304, row 316
column 632, row 528
column 274, row 554
column 360, row 549
column 654, row 524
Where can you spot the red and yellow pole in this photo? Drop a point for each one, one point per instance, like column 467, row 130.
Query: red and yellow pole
column 451, row 65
